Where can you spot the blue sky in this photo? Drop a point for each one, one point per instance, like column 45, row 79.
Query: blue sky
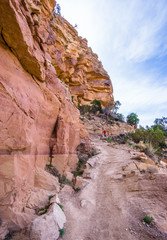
column 130, row 38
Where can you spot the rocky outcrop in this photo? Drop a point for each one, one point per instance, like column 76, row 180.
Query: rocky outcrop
column 75, row 63
column 96, row 124
column 46, row 69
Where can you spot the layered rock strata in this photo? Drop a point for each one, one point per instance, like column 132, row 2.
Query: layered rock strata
column 42, row 58
column 77, row 65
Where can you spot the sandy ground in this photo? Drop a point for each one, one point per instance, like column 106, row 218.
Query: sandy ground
column 104, row 209
column 112, row 204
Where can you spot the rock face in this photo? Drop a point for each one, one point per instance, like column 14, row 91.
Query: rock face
column 77, row 65
column 42, row 58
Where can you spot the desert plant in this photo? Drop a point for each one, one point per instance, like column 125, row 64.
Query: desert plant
column 43, row 210
column 77, row 189
column 149, row 150
column 149, row 136
column 51, row 196
column 161, row 122
column 147, row 219
column 49, row 165
column 62, row 232
column 64, row 180
column 109, row 139
column 117, row 105
column 93, row 108
column 61, row 206
column 96, row 106
column 84, row 109
column 132, row 119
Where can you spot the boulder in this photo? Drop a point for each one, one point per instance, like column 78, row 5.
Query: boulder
column 44, row 227
column 142, row 157
column 152, row 169
column 47, row 226
column 138, row 155
column 56, row 211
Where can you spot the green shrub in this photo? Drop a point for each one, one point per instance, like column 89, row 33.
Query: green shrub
column 147, row 219
column 64, row 180
column 51, row 196
column 77, row 189
column 150, row 136
column 109, row 139
column 61, row 231
column 96, row 106
column 84, row 109
column 161, row 123
column 43, row 210
column 49, row 165
column 93, row 108
column 61, row 206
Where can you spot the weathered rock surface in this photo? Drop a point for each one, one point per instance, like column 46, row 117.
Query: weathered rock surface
column 76, row 64
column 43, row 63
column 37, row 117
column 47, row 226
column 45, row 180
column 142, row 157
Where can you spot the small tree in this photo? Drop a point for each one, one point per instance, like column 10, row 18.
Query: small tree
column 96, row 106
column 132, row 119
column 117, row 105
column 120, row 116
column 161, row 123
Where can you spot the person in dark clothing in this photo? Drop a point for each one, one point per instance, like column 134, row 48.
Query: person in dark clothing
column 58, row 9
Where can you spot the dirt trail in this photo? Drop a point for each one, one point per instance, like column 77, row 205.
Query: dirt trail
column 104, row 214
column 111, row 206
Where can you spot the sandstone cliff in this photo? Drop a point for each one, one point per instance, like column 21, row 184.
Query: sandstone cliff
column 43, row 63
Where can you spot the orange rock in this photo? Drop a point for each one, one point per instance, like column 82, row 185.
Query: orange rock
column 39, row 54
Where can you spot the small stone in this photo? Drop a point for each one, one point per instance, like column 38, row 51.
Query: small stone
column 83, row 203
column 69, row 176
column 87, row 174
column 78, row 183
column 92, row 162
column 152, row 169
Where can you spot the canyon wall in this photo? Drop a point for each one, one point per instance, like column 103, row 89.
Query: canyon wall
column 46, row 71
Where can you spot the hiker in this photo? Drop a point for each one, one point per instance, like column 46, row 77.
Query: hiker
column 104, row 133
column 58, row 9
